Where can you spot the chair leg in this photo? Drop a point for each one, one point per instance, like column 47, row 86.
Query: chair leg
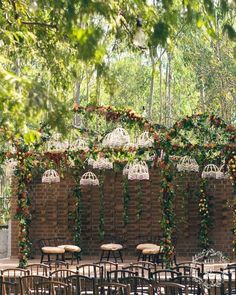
column 63, row 256
column 48, row 257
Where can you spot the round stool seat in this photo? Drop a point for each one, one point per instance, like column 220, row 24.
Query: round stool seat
column 111, row 247
column 70, row 248
column 52, row 250
column 150, row 251
column 143, row 246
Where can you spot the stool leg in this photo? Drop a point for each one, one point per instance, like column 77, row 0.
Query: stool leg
column 114, row 255
column 108, row 256
column 121, row 258
column 48, row 257
column 72, row 258
column 63, row 256
column 102, row 254
column 42, row 258
column 139, row 255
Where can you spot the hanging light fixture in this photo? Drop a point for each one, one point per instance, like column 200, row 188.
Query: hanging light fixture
column 80, row 144
column 127, row 168
column 188, row 164
column 211, row 171
column 138, row 171
column 119, row 137
column 89, row 178
column 50, row 176
column 144, row 140
column 139, row 38
column 55, row 145
column 102, row 163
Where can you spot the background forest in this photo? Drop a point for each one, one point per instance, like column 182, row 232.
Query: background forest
column 55, row 53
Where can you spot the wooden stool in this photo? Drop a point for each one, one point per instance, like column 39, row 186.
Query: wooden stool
column 153, row 255
column 71, row 249
column 141, row 247
column 111, row 248
column 49, row 250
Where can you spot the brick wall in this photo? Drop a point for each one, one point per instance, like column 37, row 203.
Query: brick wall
column 53, row 204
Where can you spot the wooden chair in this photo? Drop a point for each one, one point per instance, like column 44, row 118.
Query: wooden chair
column 60, row 275
column 81, row 284
column 168, row 288
column 28, row 283
column 192, row 264
column 91, row 270
column 107, row 266
column 55, row 265
column 140, row 270
column 164, row 275
column 52, row 288
column 230, row 270
column 116, row 275
column 194, row 284
column 214, row 282
column 12, row 275
column 150, row 265
column 188, row 270
column 7, row 288
column 138, row 285
column 113, row 288
column 38, row 269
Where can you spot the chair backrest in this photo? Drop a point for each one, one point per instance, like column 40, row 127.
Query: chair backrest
column 138, row 285
column 90, row 270
column 230, row 270
column 81, row 284
column 192, row 264
column 8, row 287
column 116, row 275
column 152, row 266
column 164, row 275
column 28, row 283
column 12, row 275
column 194, row 284
column 52, row 288
column 55, row 265
column 140, row 270
column 113, row 288
column 60, row 275
column 168, row 288
column 38, row 269
column 188, row 270
column 107, row 266
column 214, row 282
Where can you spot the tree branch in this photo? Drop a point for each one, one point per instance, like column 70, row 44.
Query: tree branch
column 34, row 23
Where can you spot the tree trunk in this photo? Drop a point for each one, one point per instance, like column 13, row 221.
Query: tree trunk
column 77, row 92
column 150, row 100
column 169, row 92
column 160, row 92
column 166, row 95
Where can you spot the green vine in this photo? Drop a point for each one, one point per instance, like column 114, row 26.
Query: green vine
column 205, row 217
column 101, row 208
column 77, row 195
column 232, row 171
column 140, row 202
column 126, row 198
column 167, row 220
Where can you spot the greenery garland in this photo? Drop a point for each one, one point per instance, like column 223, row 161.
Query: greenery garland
column 232, row 172
column 205, row 217
column 77, row 195
column 171, row 141
column 101, row 207
column 126, row 199
column 167, row 220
